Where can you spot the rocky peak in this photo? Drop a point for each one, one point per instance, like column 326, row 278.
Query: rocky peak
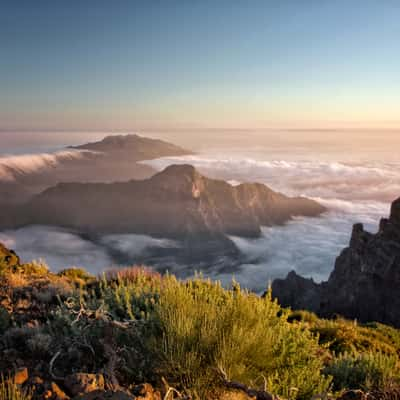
column 364, row 283
column 180, row 171
column 395, row 212
column 359, row 237
column 180, row 178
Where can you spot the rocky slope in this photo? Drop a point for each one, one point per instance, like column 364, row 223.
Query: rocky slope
column 364, row 283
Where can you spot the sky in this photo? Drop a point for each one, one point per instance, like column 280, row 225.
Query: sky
column 131, row 65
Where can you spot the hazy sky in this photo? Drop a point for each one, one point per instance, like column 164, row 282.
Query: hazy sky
column 100, row 65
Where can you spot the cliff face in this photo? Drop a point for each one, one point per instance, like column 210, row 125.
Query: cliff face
column 364, row 283
column 175, row 203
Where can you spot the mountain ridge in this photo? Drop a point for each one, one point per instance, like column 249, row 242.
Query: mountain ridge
column 177, row 203
column 174, row 202
column 110, row 159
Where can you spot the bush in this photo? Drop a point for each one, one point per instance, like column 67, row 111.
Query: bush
column 38, row 268
column 197, row 331
column 368, row 371
column 344, row 336
column 76, row 275
column 207, row 329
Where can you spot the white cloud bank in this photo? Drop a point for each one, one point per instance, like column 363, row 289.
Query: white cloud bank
column 352, row 193
column 13, row 166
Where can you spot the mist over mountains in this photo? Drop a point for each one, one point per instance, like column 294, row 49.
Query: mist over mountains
column 115, row 158
column 351, row 191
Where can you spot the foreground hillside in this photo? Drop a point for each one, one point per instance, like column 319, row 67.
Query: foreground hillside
column 70, row 335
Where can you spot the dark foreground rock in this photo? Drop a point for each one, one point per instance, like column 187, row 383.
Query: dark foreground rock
column 364, row 283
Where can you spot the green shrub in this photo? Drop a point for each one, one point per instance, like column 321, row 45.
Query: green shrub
column 34, row 268
column 8, row 260
column 344, row 336
column 368, row 371
column 77, row 275
column 207, row 329
column 197, row 331
column 302, row 316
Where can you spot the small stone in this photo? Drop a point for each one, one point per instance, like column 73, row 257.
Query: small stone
column 146, row 392
column 58, row 394
column 353, row 395
column 83, row 383
column 105, row 395
column 37, row 380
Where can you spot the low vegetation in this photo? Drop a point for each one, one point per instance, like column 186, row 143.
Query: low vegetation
column 134, row 326
column 11, row 391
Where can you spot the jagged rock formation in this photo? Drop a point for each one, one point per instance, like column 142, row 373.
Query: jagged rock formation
column 364, row 283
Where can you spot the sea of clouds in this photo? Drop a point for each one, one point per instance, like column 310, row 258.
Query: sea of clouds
column 352, row 192
column 13, row 166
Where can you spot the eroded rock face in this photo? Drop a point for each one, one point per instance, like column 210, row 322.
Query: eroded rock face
column 177, row 203
column 364, row 283
column 173, row 203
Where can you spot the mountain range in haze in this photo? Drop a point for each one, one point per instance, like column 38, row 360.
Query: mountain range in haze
column 177, row 203
column 115, row 158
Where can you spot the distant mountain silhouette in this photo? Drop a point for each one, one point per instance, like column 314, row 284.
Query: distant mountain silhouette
column 115, row 158
column 173, row 203
column 136, row 147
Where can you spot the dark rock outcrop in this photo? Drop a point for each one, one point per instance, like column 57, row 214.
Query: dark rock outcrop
column 364, row 283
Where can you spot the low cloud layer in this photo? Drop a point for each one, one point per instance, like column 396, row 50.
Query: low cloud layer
column 351, row 192
column 13, row 166
column 376, row 181
column 61, row 248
